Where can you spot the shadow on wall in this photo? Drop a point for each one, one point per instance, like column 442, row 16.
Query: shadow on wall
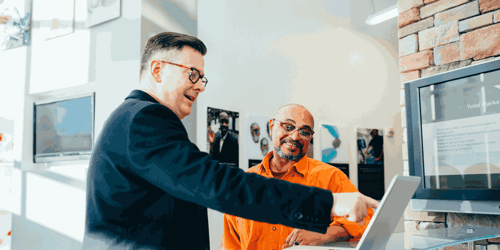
column 40, row 228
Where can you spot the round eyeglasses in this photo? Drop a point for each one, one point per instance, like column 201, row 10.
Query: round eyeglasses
column 305, row 134
column 194, row 75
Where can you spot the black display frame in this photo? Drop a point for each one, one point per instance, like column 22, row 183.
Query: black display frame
column 414, row 125
column 66, row 156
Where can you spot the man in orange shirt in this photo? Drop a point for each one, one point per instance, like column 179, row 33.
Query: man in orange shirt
column 291, row 131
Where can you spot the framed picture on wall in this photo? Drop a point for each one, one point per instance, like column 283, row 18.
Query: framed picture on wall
column 259, row 142
column 100, row 11
column 334, row 146
column 370, row 161
column 223, row 134
column 56, row 17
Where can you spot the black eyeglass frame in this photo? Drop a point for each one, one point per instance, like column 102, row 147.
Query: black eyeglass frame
column 289, row 132
column 204, row 80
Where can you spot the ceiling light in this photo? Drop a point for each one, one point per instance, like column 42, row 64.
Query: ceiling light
column 383, row 15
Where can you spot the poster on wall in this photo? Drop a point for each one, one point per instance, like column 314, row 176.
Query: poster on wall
column 14, row 25
column 334, row 146
column 223, row 134
column 100, row 11
column 370, row 159
column 56, row 17
column 259, row 143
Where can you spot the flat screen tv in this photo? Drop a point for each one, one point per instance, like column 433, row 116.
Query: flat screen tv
column 64, row 129
column 453, row 127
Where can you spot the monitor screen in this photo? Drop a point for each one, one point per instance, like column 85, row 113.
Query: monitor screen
column 461, row 132
column 63, row 128
column 453, row 128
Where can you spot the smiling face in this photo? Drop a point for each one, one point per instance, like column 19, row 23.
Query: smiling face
column 224, row 123
column 291, row 146
column 173, row 87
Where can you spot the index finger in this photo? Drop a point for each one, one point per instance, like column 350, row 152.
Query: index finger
column 371, row 203
column 290, row 237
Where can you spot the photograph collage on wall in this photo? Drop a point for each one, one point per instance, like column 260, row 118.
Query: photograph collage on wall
column 15, row 25
column 260, row 139
column 222, row 135
column 370, row 160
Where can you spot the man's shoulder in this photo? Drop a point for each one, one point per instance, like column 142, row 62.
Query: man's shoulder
column 233, row 136
column 319, row 166
column 140, row 108
column 255, row 169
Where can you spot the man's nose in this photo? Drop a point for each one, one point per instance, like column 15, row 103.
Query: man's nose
column 295, row 135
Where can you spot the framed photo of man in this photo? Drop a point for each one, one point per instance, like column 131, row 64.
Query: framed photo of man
column 223, row 135
column 370, row 154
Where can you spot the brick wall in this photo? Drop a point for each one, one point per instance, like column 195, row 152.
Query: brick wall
column 436, row 36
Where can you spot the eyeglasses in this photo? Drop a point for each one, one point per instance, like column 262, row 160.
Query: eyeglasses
column 305, row 134
column 194, row 75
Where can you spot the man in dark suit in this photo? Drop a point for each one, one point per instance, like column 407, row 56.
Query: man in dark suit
column 226, row 143
column 148, row 186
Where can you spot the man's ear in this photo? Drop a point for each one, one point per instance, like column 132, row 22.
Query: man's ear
column 271, row 126
column 156, row 67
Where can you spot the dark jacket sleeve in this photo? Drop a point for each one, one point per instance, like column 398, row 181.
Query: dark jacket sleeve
column 160, row 152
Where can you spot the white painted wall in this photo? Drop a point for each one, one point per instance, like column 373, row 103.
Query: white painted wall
column 262, row 55
column 48, row 203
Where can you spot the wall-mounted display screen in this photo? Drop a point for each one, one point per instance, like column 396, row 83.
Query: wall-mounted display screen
column 453, row 127
column 461, row 132
column 64, row 129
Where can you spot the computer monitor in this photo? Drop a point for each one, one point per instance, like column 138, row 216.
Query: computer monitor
column 453, row 128
column 63, row 129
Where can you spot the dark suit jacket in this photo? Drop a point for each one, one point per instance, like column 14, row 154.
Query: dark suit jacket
column 148, row 186
column 230, row 148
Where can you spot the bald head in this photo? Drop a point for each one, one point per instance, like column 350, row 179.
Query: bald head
column 296, row 111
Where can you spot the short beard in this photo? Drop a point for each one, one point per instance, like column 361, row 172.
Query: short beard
column 289, row 157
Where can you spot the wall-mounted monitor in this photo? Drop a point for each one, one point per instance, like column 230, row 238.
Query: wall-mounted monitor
column 453, row 126
column 63, row 129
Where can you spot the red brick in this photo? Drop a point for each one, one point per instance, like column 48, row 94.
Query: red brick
column 457, row 247
column 447, row 53
column 405, row 5
column 489, row 5
column 408, row 17
column 420, row 60
column 494, row 240
column 443, row 34
column 480, row 43
column 496, row 17
column 416, row 27
column 475, row 22
column 439, row 6
column 458, row 13
column 408, row 45
column 408, row 76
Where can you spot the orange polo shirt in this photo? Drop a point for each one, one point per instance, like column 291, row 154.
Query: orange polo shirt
column 246, row 234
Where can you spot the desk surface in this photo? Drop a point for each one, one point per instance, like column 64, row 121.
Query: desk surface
column 428, row 239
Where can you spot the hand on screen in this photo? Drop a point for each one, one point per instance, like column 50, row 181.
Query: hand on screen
column 353, row 206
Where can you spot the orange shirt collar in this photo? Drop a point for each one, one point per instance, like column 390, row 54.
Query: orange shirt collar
column 300, row 167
